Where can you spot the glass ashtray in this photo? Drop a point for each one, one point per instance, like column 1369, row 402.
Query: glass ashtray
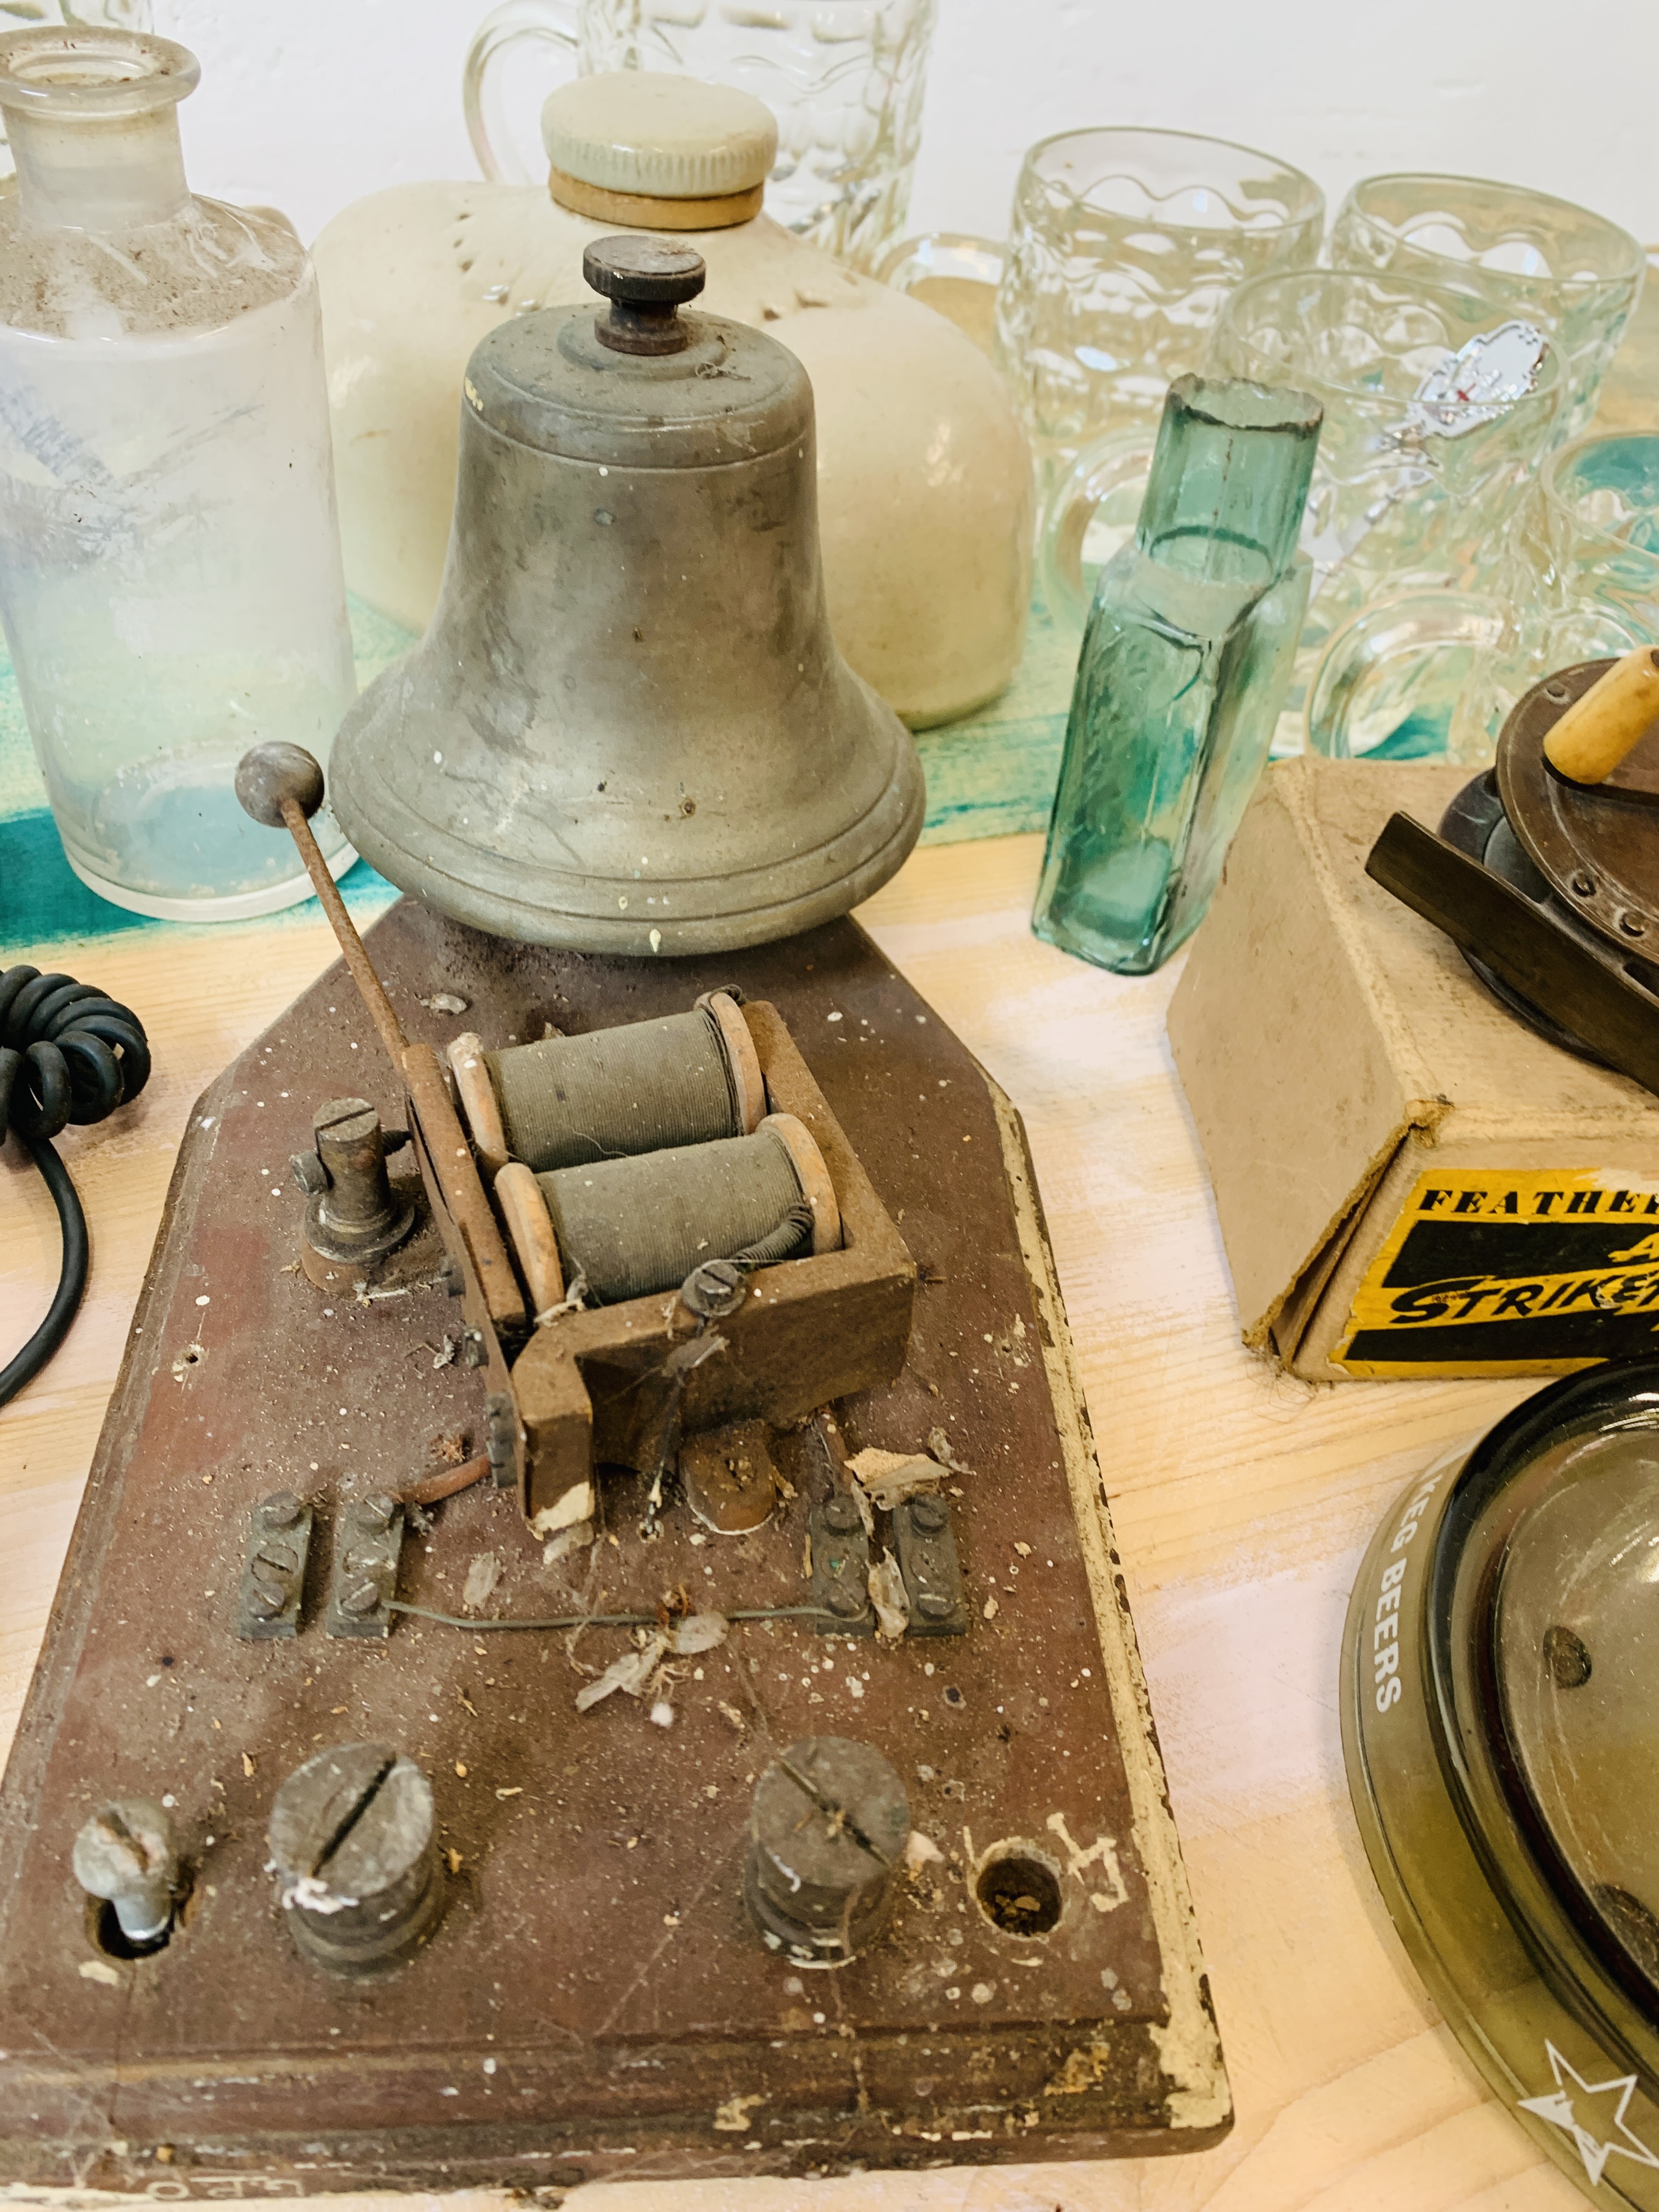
column 1500, row 1727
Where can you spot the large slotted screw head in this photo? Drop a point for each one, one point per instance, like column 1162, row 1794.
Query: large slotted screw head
column 350, row 1840
column 828, row 1826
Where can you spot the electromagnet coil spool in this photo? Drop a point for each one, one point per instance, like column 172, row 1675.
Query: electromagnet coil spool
column 627, row 1228
column 613, row 1093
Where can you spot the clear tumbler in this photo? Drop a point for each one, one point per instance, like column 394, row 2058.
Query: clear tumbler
column 170, row 577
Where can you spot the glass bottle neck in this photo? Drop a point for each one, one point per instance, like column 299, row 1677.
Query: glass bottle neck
column 101, row 173
column 1229, row 480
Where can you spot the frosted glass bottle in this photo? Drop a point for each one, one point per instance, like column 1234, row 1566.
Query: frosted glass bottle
column 170, row 577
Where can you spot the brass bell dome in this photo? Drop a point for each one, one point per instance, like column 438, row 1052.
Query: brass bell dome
column 628, row 729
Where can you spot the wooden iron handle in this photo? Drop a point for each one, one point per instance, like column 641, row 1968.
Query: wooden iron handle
column 1609, row 720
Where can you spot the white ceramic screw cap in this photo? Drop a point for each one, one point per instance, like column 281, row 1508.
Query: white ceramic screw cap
column 660, row 137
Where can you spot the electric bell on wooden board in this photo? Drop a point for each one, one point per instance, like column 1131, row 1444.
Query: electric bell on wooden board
column 723, row 1666
column 619, row 1611
column 679, row 1341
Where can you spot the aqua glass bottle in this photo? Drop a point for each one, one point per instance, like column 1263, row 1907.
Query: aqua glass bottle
column 1186, row 661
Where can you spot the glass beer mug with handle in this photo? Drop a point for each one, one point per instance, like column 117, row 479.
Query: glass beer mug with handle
column 1571, row 272
column 1122, row 245
column 845, row 79
column 1439, row 406
column 1578, row 579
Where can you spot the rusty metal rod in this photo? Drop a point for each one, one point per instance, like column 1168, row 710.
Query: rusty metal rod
column 445, row 1483
column 369, row 985
column 463, row 1189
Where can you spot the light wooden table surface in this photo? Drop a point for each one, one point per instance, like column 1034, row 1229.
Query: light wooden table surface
column 1241, row 1500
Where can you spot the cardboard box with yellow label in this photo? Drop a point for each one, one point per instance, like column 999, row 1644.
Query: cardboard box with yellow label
column 1409, row 1181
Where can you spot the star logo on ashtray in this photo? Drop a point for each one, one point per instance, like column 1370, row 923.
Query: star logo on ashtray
column 1569, row 2105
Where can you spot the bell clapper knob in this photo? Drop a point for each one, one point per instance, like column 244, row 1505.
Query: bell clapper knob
column 646, row 281
column 271, row 776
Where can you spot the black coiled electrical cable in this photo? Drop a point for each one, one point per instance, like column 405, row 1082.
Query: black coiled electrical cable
column 68, row 1054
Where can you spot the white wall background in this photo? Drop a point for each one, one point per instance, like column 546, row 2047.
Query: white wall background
column 305, row 104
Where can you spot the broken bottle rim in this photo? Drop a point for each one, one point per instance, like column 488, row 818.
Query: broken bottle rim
column 1500, row 1717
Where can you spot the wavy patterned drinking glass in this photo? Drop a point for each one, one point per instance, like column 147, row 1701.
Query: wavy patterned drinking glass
column 1123, row 246
column 1573, row 273
column 1405, row 497
column 844, row 78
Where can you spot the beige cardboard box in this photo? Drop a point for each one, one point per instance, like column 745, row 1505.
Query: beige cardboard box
column 1409, row 1181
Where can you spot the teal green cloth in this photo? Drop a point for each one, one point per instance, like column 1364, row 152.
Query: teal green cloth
column 990, row 774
